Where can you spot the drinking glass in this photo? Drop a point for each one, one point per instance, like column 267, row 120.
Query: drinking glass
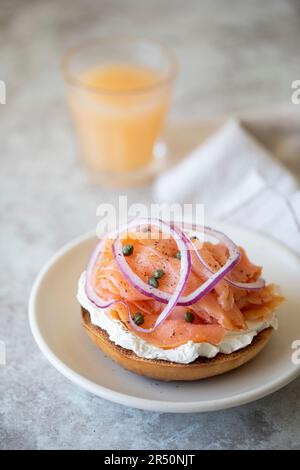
column 119, row 92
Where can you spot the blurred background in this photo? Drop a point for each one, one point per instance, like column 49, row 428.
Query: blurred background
column 235, row 58
column 233, row 55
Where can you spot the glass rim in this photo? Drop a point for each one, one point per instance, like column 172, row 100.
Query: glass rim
column 72, row 79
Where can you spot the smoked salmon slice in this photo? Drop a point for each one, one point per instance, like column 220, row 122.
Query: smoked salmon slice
column 225, row 308
column 171, row 334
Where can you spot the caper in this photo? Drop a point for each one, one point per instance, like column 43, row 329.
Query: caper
column 153, row 282
column 189, row 316
column 158, row 273
column 127, row 250
column 138, row 318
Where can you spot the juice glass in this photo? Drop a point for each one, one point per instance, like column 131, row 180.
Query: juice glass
column 119, row 92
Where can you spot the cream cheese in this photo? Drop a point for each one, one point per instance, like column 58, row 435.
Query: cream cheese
column 183, row 354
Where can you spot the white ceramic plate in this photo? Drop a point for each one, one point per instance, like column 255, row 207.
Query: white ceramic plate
column 56, row 326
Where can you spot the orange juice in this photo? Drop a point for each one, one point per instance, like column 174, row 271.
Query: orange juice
column 119, row 111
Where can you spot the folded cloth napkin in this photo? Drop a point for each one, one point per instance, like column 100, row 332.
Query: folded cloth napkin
column 237, row 180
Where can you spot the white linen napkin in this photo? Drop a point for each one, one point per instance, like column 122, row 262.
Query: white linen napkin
column 237, row 180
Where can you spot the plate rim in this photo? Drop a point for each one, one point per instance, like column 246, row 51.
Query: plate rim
column 138, row 402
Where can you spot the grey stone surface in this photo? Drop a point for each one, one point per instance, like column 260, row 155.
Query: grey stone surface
column 234, row 56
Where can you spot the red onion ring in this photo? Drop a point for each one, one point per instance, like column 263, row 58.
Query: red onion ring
column 209, row 284
column 136, row 282
column 196, row 295
column 220, row 236
column 92, row 296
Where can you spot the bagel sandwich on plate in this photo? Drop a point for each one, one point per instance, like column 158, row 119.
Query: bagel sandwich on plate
column 176, row 303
